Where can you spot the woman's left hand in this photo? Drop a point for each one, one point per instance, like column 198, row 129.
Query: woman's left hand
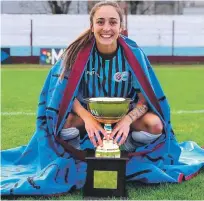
column 121, row 129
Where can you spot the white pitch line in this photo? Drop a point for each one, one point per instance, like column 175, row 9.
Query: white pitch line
column 188, row 112
column 17, row 113
column 33, row 113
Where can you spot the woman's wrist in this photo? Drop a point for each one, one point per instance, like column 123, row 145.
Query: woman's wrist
column 129, row 119
column 84, row 114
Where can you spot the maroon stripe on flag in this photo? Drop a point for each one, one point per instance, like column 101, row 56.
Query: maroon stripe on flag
column 143, row 80
column 191, row 176
column 144, row 152
column 73, row 80
column 180, row 177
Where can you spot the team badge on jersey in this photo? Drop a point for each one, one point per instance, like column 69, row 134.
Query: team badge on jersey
column 121, row 76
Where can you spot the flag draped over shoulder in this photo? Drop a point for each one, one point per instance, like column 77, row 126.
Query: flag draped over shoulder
column 46, row 167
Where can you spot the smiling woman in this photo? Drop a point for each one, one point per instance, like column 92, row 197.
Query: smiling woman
column 109, row 74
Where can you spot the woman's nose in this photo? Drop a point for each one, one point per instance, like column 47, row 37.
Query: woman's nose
column 106, row 26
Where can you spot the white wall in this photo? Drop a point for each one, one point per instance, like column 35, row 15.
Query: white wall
column 57, row 30
column 158, row 30
column 60, row 30
column 150, row 31
column 15, row 31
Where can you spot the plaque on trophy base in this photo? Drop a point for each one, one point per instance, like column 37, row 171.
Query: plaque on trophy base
column 105, row 176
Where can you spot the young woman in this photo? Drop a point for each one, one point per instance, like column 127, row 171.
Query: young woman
column 108, row 73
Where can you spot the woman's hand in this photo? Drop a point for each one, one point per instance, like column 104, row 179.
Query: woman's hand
column 93, row 129
column 91, row 125
column 121, row 129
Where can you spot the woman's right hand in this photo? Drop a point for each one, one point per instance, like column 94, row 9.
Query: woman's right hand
column 93, row 128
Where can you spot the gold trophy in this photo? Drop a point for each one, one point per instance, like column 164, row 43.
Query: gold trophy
column 108, row 110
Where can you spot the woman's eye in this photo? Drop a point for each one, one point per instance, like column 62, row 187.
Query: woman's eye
column 113, row 22
column 100, row 22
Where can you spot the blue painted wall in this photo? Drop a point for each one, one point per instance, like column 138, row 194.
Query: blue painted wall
column 153, row 51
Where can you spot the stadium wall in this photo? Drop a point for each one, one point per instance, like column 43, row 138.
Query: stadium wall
column 163, row 38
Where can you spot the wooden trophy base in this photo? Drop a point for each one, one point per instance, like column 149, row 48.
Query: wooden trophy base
column 105, row 176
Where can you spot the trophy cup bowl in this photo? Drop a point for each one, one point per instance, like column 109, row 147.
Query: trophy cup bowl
column 108, row 110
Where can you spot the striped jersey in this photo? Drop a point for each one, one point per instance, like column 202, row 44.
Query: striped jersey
column 108, row 76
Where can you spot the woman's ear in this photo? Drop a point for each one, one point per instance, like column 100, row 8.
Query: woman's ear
column 121, row 30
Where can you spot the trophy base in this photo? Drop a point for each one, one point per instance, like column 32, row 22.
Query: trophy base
column 99, row 170
column 107, row 154
column 109, row 150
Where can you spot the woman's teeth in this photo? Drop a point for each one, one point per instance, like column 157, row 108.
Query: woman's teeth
column 106, row 36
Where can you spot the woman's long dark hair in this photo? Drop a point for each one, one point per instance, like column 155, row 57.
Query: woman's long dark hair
column 70, row 54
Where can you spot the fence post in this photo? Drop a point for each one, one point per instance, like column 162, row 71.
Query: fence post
column 173, row 35
column 31, row 36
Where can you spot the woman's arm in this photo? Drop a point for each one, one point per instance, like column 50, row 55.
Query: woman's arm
column 122, row 128
column 80, row 110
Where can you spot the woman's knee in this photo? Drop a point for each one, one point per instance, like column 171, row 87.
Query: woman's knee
column 154, row 124
column 69, row 120
column 73, row 121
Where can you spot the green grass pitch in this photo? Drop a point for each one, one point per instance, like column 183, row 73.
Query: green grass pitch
column 183, row 86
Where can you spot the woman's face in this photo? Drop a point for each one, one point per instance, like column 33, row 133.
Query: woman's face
column 106, row 27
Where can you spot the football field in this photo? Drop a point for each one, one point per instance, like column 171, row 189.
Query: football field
column 183, row 86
